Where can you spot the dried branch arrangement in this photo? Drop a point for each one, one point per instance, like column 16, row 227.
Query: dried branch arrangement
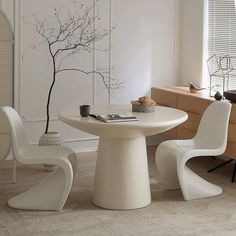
column 69, row 32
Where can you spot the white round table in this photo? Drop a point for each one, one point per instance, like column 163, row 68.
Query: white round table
column 121, row 178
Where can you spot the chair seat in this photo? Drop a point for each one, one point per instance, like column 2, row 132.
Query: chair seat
column 189, row 148
column 33, row 153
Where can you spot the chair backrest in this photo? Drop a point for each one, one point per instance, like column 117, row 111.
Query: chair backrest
column 19, row 138
column 213, row 128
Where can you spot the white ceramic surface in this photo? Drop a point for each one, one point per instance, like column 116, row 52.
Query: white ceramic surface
column 122, row 179
column 210, row 140
column 50, row 139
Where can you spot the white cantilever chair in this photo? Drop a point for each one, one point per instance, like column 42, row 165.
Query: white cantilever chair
column 51, row 193
column 210, row 140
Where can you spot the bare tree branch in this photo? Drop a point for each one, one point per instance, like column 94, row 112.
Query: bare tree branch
column 70, row 32
column 114, row 84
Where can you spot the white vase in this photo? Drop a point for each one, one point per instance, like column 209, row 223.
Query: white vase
column 50, row 139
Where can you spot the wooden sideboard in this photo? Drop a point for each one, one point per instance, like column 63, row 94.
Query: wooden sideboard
column 194, row 104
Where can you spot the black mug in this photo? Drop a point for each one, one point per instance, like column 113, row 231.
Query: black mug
column 84, row 110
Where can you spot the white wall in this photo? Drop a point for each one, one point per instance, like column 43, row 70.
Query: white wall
column 191, row 38
column 144, row 45
column 145, row 52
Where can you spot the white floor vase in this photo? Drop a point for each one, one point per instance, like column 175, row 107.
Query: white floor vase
column 50, row 139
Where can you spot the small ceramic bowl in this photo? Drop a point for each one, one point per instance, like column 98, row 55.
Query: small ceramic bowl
column 143, row 108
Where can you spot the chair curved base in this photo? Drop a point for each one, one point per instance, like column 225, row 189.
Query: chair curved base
column 174, row 174
column 46, row 195
column 195, row 187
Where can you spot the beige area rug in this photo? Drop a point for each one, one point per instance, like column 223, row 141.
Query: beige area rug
column 167, row 215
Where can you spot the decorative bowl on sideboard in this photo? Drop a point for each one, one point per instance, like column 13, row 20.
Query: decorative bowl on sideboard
column 230, row 95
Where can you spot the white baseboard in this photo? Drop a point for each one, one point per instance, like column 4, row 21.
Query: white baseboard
column 91, row 145
column 88, row 145
column 83, row 146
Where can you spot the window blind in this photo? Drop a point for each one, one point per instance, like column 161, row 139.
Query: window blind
column 222, row 42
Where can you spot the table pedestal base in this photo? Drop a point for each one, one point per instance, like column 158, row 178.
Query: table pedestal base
column 122, row 179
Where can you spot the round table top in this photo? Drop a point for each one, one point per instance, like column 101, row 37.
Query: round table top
column 164, row 118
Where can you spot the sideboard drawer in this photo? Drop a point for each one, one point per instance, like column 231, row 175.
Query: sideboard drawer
column 193, row 121
column 185, row 133
column 165, row 98
column 192, row 104
column 233, row 114
column 231, row 150
column 232, row 133
column 172, row 133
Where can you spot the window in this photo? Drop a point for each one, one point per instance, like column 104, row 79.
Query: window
column 222, row 44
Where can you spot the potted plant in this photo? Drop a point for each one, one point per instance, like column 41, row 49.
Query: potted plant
column 67, row 33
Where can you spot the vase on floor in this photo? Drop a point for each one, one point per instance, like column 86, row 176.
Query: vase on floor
column 50, row 139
